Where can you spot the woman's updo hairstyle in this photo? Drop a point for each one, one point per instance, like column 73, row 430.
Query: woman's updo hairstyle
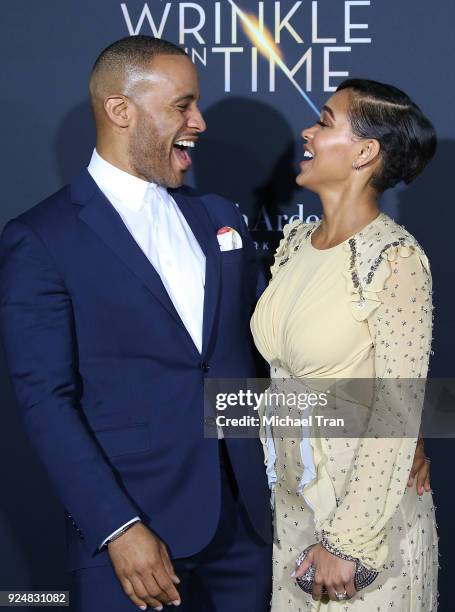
column 406, row 136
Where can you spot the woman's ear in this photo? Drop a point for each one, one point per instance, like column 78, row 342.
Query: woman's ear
column 368, row 154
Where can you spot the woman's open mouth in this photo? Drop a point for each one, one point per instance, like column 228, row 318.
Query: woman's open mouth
column 307, row 156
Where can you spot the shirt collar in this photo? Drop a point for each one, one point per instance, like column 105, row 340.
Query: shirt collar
column 124, row 187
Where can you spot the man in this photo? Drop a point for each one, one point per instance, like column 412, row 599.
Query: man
column 119, row 298
column 119, row 295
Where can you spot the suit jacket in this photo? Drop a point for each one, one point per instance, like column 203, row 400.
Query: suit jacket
column 107, row 378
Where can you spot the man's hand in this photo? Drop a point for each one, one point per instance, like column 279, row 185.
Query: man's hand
column 336, row 574
column 144, row 569
column 420, row 471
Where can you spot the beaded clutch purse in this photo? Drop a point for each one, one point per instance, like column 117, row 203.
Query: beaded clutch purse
column 362, row 578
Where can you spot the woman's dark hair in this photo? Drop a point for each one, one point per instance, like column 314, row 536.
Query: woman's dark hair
column 407, row 137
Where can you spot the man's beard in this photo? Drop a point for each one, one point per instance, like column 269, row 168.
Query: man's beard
column 149, row 156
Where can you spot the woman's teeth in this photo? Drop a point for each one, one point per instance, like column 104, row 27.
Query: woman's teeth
column 308, row 155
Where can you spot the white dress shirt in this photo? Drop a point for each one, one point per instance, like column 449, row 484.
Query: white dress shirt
column 162, row 232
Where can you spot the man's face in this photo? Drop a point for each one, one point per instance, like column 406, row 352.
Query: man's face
column 166, row 122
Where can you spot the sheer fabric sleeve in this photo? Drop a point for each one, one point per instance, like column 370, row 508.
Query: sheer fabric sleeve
column 401, row 331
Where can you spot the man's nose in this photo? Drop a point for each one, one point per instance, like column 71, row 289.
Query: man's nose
column 197, row 122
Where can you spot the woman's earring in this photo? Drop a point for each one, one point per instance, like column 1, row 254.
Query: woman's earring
column 355, row 167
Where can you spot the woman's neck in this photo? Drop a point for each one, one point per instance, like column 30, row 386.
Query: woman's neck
column 343, row 217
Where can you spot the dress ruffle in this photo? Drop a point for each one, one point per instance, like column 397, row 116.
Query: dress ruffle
column 292, row 233
column 377, row 266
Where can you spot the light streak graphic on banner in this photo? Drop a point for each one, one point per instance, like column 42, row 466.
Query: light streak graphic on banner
column 263, row 40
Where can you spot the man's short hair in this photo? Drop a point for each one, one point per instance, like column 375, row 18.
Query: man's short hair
column 126, row 58
column 134, row 51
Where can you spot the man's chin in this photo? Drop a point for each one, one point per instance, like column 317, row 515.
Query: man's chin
column 175, row 184
column 176, row 180
column 171, row 181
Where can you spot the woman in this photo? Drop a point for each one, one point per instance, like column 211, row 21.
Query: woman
column 350, row 298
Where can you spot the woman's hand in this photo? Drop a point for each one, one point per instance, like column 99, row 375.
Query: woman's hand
column 336, row 574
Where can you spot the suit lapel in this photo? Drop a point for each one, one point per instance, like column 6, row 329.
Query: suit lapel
column 99, row 214
column 205, row 233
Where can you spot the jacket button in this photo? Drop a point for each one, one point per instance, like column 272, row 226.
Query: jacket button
column 205, row 367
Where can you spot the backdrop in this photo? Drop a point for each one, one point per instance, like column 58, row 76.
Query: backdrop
column 255, row 110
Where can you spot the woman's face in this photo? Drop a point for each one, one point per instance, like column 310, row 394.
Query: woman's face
column 332, row 146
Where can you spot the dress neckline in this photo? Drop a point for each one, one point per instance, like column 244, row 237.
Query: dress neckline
column 340, row 244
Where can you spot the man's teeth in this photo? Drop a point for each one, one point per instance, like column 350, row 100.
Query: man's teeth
column 308, row 154
column 186, row 143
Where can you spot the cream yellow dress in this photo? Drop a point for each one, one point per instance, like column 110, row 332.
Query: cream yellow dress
column 362, row 309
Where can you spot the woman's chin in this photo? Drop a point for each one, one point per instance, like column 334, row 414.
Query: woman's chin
column 302, row 180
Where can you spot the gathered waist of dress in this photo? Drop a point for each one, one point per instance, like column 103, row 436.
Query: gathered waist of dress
column 350, row 396
column 280, row 372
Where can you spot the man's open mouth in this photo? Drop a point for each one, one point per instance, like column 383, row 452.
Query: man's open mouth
column 181, row 148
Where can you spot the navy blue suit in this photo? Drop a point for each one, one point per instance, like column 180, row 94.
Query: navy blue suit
column 108, row 380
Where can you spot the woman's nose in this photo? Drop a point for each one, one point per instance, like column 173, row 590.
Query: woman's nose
column 306, row 134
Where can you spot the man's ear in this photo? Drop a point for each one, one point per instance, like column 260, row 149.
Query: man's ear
column 118, row 109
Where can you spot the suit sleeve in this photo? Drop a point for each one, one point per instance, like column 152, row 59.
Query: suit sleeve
column 38, row 332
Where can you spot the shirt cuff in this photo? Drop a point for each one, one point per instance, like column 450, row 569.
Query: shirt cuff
column 133, row 520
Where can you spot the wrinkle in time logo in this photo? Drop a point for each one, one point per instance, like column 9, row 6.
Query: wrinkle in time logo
column 229, row 36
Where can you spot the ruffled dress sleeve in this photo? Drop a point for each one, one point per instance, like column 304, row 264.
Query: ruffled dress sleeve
column 293, row 233
column 397, row 305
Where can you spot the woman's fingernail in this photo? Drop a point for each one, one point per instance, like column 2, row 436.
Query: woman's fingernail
column 142, row 607
column 293, row 575
column 177, row 602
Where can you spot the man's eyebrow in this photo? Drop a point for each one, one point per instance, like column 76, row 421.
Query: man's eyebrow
column 328, row 110
column 185, row 97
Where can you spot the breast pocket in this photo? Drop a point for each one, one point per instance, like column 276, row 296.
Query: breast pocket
column 126, row 440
